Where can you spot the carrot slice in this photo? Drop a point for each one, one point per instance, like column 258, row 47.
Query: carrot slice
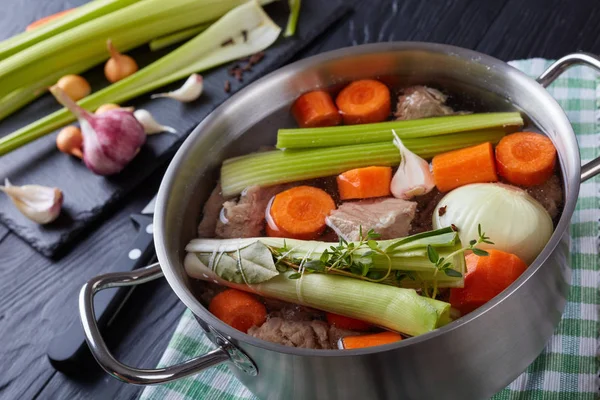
column 315, row 109
column 526, row 158
column 375, row 339
column 460, row 167
column 299, row 213
column 343, row 322
column 238, row 309
column 486, row 277
column 46, row 19
column 363, row 183
column 363, row 102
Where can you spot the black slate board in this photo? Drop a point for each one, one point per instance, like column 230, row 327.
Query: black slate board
column 89, row 197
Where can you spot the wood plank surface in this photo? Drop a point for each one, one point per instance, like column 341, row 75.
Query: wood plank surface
column 38, row 296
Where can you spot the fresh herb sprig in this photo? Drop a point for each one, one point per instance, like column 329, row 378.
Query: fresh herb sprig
column 441, row 263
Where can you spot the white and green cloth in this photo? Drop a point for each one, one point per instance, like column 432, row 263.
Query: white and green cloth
column 569, row 366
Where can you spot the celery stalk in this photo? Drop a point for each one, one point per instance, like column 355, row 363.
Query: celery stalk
column 80, row 15
column 176, row 37
column 381, row 132
column 148, row 19
column 290, row 29
column 398, row 309
column 201, row 53
column 277, row 166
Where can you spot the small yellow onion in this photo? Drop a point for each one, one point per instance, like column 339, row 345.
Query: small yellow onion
column 119, row 65
column 70, row 141
column 112, row 106
column 75, row 86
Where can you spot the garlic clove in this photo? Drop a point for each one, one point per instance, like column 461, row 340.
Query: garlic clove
column 190, row 91
column 149, row 123
column 413, row 177
column 40, row 204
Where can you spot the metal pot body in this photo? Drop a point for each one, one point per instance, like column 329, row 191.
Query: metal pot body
column 472, row 358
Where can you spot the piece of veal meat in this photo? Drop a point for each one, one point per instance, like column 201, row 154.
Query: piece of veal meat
column 246, row 217
column 421, row 102
column 210, row 213
column 389, row 217
column 305, row 334
column 549, row 194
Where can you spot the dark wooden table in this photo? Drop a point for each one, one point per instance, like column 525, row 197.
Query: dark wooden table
column 38, row 296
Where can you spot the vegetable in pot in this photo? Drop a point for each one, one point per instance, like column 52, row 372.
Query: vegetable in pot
column 362, row 341
column 352, row 324
column 299, row 213
column 413, row 177
column 517, row 223
column 364, row 102
column 238, row 309
column 486, row 277
column 526, row 158
column 364, row 183
column 315, row 109
column 432, row 128
column 460, row 167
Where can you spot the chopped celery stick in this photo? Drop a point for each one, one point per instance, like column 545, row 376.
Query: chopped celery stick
column 176, row 37
column 290, row 29
column 397, row 309
column 196, row 55
column 277, row 166
column 382, row 132
column 78, row 16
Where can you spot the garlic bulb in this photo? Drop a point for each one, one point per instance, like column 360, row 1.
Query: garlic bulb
column 110, row 140
column 413, row 177
column 40, row 204
column 149, row 123
column 190, row 91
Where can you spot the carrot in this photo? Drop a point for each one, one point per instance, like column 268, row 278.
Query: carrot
column 460, row 167
column 375, row 339
column 49, row 18
column 315, row 109
column 343, row 322
column 299, row 213
column 238, row 309
column 363, row 183
column 526, row 158
column 363, row 102
column 486, row 277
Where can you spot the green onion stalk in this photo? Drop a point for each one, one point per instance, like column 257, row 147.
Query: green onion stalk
column 199, row 54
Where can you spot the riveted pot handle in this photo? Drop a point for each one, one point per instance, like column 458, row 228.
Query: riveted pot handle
column 137, row 376
column 592, row 168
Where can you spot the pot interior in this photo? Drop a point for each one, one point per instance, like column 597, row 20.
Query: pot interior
column 250, row 119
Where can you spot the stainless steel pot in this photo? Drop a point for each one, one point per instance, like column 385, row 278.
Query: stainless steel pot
column 471, row 358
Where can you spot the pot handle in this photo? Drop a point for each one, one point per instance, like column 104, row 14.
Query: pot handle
column 225, row 352
column 592, row 168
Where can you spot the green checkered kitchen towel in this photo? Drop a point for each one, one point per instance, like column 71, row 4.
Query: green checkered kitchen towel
column 568, row 368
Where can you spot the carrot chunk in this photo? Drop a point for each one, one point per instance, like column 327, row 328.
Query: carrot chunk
column 460, row 167
column 363, row 183
column 238, row 309
column 343, row 322
column 42, row 21
column 375, row 339
column 299, row 213
column 363, row 102
column 526, row 158
column 486, row 277
column 315, row 109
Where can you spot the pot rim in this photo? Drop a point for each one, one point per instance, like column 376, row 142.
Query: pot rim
column 572, row 182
